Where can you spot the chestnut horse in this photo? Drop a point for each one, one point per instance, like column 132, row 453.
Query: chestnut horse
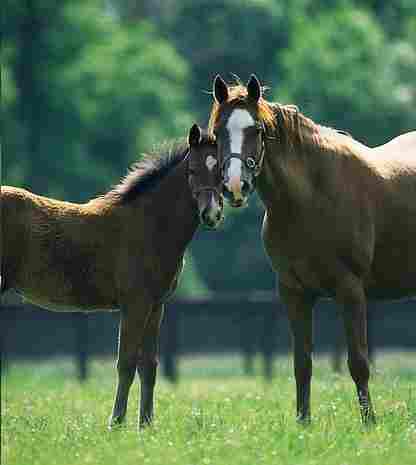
column 340, row 217
column 123, row 250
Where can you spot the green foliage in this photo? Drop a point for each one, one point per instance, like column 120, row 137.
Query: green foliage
column 235, row 36
column 107, row 91
column 88, row 85
column 338, row 75
column 191, row 283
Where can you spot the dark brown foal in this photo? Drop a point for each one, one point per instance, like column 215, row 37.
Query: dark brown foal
column 122, row 250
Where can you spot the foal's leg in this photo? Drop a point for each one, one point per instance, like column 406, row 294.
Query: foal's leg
column 133, row 321
column 352, row 297
column 147, row 365
column 299, row 307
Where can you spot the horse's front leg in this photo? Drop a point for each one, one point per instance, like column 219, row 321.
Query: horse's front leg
column 299, row 307
column 147, row 365
column 133, row 321
column 350, row 294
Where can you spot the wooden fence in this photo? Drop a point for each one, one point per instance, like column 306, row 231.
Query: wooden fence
column 247, row 324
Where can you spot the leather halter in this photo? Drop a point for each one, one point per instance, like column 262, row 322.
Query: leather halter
column 256, row 169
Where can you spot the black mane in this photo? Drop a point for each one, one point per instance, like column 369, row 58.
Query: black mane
column 146, row 173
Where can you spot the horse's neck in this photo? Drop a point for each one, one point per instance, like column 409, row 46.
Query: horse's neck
column 170, row 208
column 292, row 168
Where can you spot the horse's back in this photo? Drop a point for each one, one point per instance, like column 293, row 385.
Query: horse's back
column 394, row 266
column 396, row 157
column 402, row 147
column 54, row 252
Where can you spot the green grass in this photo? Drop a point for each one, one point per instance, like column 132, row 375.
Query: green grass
column 214, row 416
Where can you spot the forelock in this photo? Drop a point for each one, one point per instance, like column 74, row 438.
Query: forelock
column 238, row 98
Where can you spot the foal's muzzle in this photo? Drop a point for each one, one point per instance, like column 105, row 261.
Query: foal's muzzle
column 211, row 214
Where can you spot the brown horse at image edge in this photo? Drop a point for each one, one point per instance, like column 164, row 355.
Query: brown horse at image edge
column 340, row 217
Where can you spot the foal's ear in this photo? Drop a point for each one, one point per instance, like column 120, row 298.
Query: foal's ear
column 254, row 88
column 194, row 136
column 220, row 90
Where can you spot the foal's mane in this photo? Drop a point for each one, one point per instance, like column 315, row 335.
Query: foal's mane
column 146, row 173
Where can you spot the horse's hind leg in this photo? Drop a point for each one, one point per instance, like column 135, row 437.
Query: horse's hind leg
column 133, row 320
column 147, row 365
column 352, row 297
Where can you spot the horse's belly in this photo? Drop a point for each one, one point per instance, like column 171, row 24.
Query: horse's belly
column 54, row 293
column 66, row 305
column 57, row 306
column 392, row 277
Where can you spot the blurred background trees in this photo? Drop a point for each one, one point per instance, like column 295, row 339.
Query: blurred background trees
column 89, row 85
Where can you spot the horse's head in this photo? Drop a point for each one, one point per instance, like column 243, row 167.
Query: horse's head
column 204, row 177
column 238, row 121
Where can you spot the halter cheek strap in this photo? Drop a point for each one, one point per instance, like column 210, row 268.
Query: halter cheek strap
column 243, row 160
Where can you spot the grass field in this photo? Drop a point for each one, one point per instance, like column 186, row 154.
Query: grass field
column 214, row 416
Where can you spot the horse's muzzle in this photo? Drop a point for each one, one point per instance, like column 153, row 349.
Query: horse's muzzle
column 242, row 200
column 212, row 215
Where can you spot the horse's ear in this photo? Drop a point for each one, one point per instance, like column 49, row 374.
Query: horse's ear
column 220, row 90
column 194, row 136
column 254, row 88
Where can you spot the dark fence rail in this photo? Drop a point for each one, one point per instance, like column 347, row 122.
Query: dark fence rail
column 228, row 323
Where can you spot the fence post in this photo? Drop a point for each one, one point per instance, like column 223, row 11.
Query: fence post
column 267, row 341
column 80, row 322
column 370, row 332
column 247, row 342
column 170, row 346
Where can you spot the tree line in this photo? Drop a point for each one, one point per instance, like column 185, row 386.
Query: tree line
column 89, row 85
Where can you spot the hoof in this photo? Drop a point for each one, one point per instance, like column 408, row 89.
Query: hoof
column 115, row 423
column 303, row 420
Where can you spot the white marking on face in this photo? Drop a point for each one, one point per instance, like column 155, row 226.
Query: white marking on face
column 234, row 178
column 210, row 162
column 238, row 121
column 214, row 209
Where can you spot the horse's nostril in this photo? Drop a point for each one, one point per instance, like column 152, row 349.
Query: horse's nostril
column 245, row 187
column 227, row 194
column 204, row 215
column 206, row 220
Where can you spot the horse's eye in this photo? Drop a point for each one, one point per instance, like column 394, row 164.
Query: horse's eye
column 251, row 163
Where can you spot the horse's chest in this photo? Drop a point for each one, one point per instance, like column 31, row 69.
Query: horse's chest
column 298, row 258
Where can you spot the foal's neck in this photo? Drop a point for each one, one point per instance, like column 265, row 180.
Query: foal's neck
column 171, row 206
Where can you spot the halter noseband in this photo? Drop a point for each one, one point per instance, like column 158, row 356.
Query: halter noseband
column 256, row 167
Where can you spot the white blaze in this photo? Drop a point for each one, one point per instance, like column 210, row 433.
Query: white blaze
column 210, row 162
column 238, row 121
column 214, row 207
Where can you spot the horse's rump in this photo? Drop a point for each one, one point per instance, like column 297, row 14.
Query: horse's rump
column 52, row 252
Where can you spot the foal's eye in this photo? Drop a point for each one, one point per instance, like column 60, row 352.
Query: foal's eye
column 251, row 163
